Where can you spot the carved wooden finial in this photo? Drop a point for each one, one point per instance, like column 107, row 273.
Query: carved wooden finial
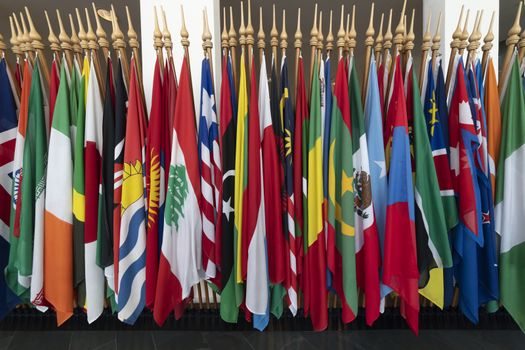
column 81, row 32
column 514, row 31
column 369, row 41
column 427, row 37
column 132, row 34
column 19, row 35
column 25, row 34
column 75, row 40
column 436, row 40
column 284, row 35
column 183, row 31
column 490, row 35
column 388, row 34
column 65, row 42
column 330, row 36
column 409, row 46
column 464, row 34
column 2, row 44
column 231, row 33
column 53, row 40
column 166, row 35
column 13, row 40
column 475, row 37
column 400, row 29
column 36, row 39
column 260, row 34
column 352, row 34
column 347, row 32
column 313, row 31
column 249, row 28
column 242, row 28
column 118, row 42
column 341, row 31
column 379, row 38
column 298, row 43
column 100, row 32
column 91, row 36
column 206, row 35
column 274, row 34
column 224, row 34
column 456, row 36
column 320, row 36
column 157, row 34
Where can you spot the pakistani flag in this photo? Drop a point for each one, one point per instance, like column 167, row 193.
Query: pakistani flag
column 510, row 191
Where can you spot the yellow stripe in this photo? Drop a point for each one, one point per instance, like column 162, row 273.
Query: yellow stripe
column 79, row 206
column 315, row 192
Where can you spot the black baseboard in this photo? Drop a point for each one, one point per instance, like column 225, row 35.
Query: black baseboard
column 209, row 320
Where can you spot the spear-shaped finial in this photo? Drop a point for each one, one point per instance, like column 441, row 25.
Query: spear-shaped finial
column 36, row 39
column 166, row 35
column 400, row 29
column 454, row 45
column 475, row 37
column 260, row 34
column 231, row 33
column 379, row 40
column 249, row 28
column 464, row 35
column 341, row 32
column 206, row 34
column 13, row 40
column 183, row 31
column 2, row 45
column 81, row 31
column 132, row 34
column 369, row 43
column 330, row 36
column 427, row 37
column 487, row 46
column 284, row 35
column 25, row 34
column 19, row 35
column 387, row 45
column 118, row 42
column 52, row 38
column 313, row 31
column 157, row 34
column 436, row 42
column 409, row 46
column 75, row 40
column 298, row 43
column 91, row 36
column 352, row 34
column 224, row 34
column 347, row 33
column 512, row 40
column 320, row 36
column 242, row 28
column 101, row 33
column 274, row 34
column 65, row 42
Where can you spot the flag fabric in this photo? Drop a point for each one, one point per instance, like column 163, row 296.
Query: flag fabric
column 376, row 154
column 509, row 209
column 210, row 171
column 58, row 219
column 400, row 270
column 8, row 133
column 314, row 244
column 170, row 98
column 121, row 110
column 54, row 82
column 326, row 135
column 78, row 88
column 433, row 249
column 132, row 246
column 286, row 144
column 274, row 183
column 94, row 274
column 18, row 270
column 155, row 179
column 34, row 188
column 493, row 115
column 368, row 254
column 180, row 265
column 228, row 305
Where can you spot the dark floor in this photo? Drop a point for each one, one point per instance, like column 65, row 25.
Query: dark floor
column 187, row 340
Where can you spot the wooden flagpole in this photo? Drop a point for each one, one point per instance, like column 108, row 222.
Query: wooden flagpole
column 369, row 43
column 512, row 40
column 521, row 46
column 36, row 42
column 166, row 35
column 399, row 33
column 134, row 44
column 224, row 34
column 487, row 46
column 474, row 38
column 387, row 44
column 233, row 49
column 352, row 34
column 320, row 37
column 82, row 34
column 284, row 36
column 379, row 42
column 208, row 46
column 425, row 48
column 249, row 36
column 261, row 36
column 313, row 43
column 464, row 35
column 242, row 33
column 75, row 40
column 274, row 36
column 298, row 44
column 20, row 39
column 454, row 46
column 27, row 40
column 157, row 39
column 101, row 34
column 341, row 34
column 65, row 42
column 93, row 47
column 409, row 37
column 436, row 43
column 347, row 38
column 120, row 45
column 54, row 44
column 14, row 40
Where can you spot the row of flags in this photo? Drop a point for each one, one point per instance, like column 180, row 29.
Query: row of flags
column 275, row 198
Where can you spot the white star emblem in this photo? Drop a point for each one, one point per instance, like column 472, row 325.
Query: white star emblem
column 227, row 208
column 382, row 165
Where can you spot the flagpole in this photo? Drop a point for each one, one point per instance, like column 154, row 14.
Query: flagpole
column 521, row 46
column 436, row 43
column 474, row 38
column 274, row 40
column 341, row 35
column 284, row 36
column 208, row 44
column 75, row 41
column 399, row 32
column 134, row 44
column 454, row 45
column 93, row 46
column 347, row 38
column 330, row 39
column 120, row 45
column 249, row 36
column 15, row 45
column 512, row 40
column 313, row 44
column 320, row 37
column 298, row 44
column 242, row 33
column 409, row 38
column 65, row 42
column 369, row 43
column 82, row 35
column 352, row 34
column 36, row 42
column 101, row 34
column 425, row 48
column 27, row 41
column 464, row 35
column 157, row 40
column 233, row 48
column 166, row 35
column 261, row 36
column 487, row 46
column 379, row 42
column 54, row 44
column 387, row 45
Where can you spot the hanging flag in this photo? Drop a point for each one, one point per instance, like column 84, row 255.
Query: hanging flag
column 209, row 155
column 121, row 110
column 368, row 254
column 54, row 82
column 92, row 174
column 433, row 249
column 155, row 181
column 400, row 271
column 58, row 229
column 376, row 154
column 8, row 133
column 18, row 270
column 315, row 251
column 180, row 265
column 228, row 306
column 509, row 207
column 170, row 98
column 105, row 199
column 492, row 111
column 341, row 234
column 284, row 122
column 132, row 247
column 79, row 200
column 326, row 135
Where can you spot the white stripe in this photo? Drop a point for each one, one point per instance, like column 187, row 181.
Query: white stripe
column 94, row 283
column 135, row 297
column 118, row 149
column 444, row 193
column 8, row 135
column 439, row 152
column 292, row 294
column 208, row 228
column 207, row 191
column 293, row 263
column 433, row 250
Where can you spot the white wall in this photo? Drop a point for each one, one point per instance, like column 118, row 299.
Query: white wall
column 450, row 10
column 194, row 24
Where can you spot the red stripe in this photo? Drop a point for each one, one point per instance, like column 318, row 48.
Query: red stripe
column 92, row 183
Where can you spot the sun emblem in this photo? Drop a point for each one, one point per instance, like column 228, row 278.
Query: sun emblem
column 154, row 188
column 132, row 184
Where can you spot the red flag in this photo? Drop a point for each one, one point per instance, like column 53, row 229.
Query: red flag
column 54, row 82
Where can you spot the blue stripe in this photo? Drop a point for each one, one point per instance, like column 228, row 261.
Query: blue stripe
column 126, row 282
column 135, row 315
column 133, row 233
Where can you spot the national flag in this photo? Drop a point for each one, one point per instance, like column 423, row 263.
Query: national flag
column 284, row 121
column 228, row 305
column 326, row 134
column 510, row 184
column 433, row 249
column 493, row 114
column 170, row 98
column 314, row 244
column 94, row 274
column 79, row 200
column 210, row 171
column 368, row 254
column 400, row 270
column 376, row 154
column 54, row 82
column 121, row 110
column 8, row 133
column 155, row 180
column 180, row 265
column 58, row 219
